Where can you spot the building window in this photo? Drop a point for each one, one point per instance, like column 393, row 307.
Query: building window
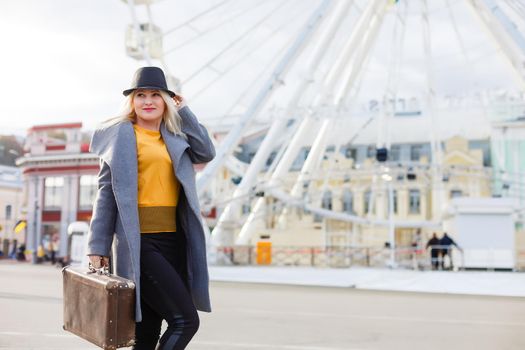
column 271, row 158
column 246, row 208
column 414, row 202
column 370, row 152
column 8, row 211
column 306, row 199
column 348, row 201
column 415, row 152
column 456, row 193
column 326, row 202
column 351, row 153
column 395, row 153
column 53, row 193
column 394, row 199
column 367, row 198
column 88, row 191
column 301, row 158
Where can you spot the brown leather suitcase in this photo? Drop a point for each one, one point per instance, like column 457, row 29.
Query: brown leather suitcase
column 99, row 307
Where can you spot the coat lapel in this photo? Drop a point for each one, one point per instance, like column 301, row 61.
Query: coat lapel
column 125, row 186
column 117, row 146
column 124, row 165
column 175, row 144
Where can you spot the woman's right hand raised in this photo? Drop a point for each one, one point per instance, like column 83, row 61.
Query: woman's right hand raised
column 98, row 261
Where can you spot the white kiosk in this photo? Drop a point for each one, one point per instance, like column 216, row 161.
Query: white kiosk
column 77, row 233
column 484, row 228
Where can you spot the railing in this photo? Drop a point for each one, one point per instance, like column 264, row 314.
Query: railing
column 337, row 256
column 520, row 260
column 445, row 257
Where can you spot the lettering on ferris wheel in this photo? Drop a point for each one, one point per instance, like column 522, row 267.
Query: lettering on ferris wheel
column 411, row 107
column 400, row 107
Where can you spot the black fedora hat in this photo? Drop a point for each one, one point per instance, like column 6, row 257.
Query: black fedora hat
column 149, row 78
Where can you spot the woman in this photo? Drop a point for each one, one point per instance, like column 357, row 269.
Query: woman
column 147, row 209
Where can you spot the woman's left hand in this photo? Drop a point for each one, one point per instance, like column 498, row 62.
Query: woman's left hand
column 179, row 101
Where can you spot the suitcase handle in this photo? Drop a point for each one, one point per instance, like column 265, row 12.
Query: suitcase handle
column 104, row 270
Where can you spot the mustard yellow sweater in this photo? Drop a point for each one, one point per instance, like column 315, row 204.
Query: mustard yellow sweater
column 158, row 188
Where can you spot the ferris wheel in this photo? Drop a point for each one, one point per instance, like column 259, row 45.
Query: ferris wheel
column 306, row 65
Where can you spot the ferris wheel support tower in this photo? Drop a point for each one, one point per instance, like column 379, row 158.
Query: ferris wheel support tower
column 223, row 234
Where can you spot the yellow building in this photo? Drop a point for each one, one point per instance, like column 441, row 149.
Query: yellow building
column 418, row 193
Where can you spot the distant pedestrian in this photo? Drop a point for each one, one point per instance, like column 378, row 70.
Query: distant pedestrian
column 435, row 251
column 417, row 248
column 21, row 254
column 446, row 244
column 53, row 247
column 12, row 255
column 40, row 254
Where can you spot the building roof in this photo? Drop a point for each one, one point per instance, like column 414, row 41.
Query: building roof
column 55, row 126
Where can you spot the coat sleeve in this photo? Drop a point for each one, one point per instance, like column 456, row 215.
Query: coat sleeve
column 201, row 147
column 102, row 226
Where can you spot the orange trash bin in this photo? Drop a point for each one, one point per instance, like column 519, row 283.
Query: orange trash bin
column 264, row 253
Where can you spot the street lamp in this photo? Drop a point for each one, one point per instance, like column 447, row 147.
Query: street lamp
column 391, row 227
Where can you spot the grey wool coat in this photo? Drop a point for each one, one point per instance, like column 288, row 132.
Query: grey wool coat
column 114, row 226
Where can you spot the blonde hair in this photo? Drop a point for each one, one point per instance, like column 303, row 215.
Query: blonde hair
column 171, row 117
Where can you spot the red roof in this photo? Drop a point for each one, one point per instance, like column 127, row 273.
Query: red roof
column 55, row 126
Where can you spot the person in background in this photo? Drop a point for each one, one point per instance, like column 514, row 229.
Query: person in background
column 12, row 255
column 435, row 251
column 53, row 247
column 446, row 244
column 417, row 248
column 40, row 254
column 21, row 253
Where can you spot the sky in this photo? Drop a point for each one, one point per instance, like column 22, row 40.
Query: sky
column 65, row 60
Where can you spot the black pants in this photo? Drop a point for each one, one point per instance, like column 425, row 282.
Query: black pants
column 164, row 293
column 434, row 258
column 445, row 252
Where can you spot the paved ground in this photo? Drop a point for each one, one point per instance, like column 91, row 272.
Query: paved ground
column 262, row 316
